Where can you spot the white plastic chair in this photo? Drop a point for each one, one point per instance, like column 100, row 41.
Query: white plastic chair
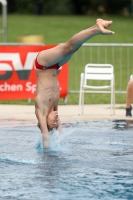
column 97, row 72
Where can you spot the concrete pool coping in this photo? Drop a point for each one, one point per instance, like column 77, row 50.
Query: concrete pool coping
column 12, row 114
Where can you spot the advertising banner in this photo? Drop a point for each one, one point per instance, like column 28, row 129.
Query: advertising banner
column 18, row 74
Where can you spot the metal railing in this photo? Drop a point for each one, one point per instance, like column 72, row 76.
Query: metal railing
column 119, row 55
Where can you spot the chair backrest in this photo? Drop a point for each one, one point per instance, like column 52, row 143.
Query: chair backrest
column 98, row 72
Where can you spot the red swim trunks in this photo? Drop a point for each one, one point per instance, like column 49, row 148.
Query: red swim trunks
column 38, row 66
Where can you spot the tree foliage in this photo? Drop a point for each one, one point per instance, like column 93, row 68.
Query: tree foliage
column 60, row 7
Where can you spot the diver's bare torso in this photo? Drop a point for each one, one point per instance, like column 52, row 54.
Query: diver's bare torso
column 47, row 91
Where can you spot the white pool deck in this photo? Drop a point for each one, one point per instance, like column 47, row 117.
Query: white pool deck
column 24, row 114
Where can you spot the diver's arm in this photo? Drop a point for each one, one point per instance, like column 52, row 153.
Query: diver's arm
column 43, row 127
column 44, row 132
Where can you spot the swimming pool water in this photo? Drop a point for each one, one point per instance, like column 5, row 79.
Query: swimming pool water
column 91, row 160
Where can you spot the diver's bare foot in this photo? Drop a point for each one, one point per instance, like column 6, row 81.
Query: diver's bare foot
column 103, row 25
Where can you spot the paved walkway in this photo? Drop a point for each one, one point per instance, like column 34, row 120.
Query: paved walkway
column 12, row 114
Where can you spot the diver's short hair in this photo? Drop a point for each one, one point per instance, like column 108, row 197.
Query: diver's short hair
column 49, row 129
column 38, row 125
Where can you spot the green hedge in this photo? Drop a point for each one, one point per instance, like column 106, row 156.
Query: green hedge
column 65, row 7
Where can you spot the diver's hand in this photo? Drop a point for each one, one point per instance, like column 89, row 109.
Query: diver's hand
column 45, row 140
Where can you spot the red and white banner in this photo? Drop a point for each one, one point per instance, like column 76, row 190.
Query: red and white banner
column 17, row 73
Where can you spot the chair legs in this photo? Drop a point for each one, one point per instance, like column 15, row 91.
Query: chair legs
column 80, row 102
column 81, row 95
column 112, row 109
column 111, row 112
column 114, row 101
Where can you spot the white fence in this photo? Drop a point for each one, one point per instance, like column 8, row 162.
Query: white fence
column 119, row 55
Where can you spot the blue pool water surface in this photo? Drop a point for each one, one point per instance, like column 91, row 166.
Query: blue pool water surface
column 90, row 160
